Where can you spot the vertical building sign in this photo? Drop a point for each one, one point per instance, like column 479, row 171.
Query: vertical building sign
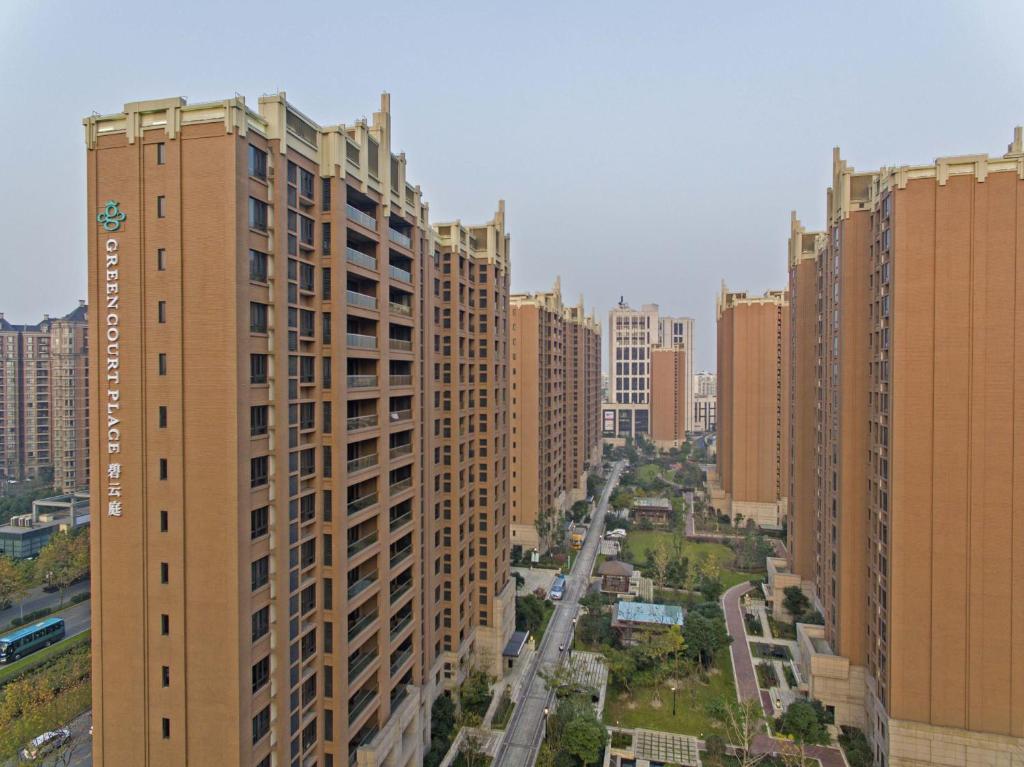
column 110, row 219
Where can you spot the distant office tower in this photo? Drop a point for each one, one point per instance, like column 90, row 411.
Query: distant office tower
column 753, row 368
column 633, row 335
column 705, row 401
column 555, row 379
column 285, row 567
column 705, row 384
column 905, row 307
column 44, row 401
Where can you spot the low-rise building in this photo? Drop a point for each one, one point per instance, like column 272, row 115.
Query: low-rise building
column 656, row 511
column 615, row 576
column 628, row 617
column 26, row 534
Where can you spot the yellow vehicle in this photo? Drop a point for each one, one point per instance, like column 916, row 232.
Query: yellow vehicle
column 576, row 538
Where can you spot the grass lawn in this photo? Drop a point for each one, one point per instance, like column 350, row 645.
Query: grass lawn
column 648, row 472
column 691, row 700
column 639, row 541
column 549, row 610
column 13, row 670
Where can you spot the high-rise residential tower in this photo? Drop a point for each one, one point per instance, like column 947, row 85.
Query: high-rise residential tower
column 266, row 500
column 44, row 401
column 917, row 544
column 753, row 400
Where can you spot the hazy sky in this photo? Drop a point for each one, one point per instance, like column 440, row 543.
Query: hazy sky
column 645, row 149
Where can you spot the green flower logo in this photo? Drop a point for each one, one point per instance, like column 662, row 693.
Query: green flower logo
column 111, row 217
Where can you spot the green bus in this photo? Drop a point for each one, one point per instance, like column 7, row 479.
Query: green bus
column 28, row 639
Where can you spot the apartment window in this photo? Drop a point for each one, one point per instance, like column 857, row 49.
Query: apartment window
column 163, row 521
column 161, row 311
column 162, row 416
column 257, row 163
column 260, row 623
column 325, row 275
column 259, row 522
column 325, row 198
column 258, row 471
column 326, row 409
column 257, row 317
column 260, row 572
column 161, row 153
column 161, row 259
column 261, row 725
column 305, row 183
column 165, row 725
column 165, row 676
column 161, row 206
column 257, row 368
column 260, row 673
column 257, row 214
column 258, row 415
column 161, row 364
column 163, row 468
column 257, row 266
column 165, row 572
column 165, row 624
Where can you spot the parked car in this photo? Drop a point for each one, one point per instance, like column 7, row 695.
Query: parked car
column 45, row 743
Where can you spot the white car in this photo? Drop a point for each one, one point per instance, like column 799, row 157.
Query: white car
column 45, row 743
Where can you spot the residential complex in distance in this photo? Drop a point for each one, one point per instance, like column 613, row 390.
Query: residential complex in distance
column 556, row 369
column 904, row 461
column 649, row 395
column 705, row 401
column 44, row 401
column 301, row 490
column 752, row 407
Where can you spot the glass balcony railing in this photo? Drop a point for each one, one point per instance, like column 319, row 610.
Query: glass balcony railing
column 356, row 298
column 399, row 274
column 401, row 625
column 400, row 344
column 361, row 382
column 396, row 416
column 397, row 308
column 358, row 664
column 398, row 521
column 402, row 239
column 359, row 258
column 361, row 421
column 367, row 540
column 361, row 218
column 400, row 660
column 400, row 591
column 400, row 380
column 362, row 503
column 362, row 462
column 399, row 694
column 359, row 341
column 399, row 450
column 398, row 557
column 359, row 703
column 361, row 585
column 401, row 485
column 356, row 628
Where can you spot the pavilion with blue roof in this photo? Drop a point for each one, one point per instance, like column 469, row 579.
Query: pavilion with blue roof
column 630, row 616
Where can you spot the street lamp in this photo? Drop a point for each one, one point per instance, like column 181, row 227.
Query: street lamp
column 572, row 637
column 673, row 700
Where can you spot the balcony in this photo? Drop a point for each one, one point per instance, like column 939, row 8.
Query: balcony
column 398, row 695
column 359, row 664
column 399, row 450
column 367, row 540
column 401, row 485
column 362, row 382
column 402, row 239
column 398, row 521
column 359, row 258
column 400, row 345
column 359, row 341
column 400, row 661
column 361, row 218
column 362, row 463
column 397, row 416
column 401, row 626
column 360, row 625
column 361, row 300
column 399, row 274
column 361, row 421
column 397, row 308
column 400, row 380
column 359, row 703
column 354, row 507
column 400, row 591
column 401, row 556
column 361, row 585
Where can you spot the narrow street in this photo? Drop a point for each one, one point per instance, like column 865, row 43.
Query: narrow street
column 37, row 599
column 526, row 728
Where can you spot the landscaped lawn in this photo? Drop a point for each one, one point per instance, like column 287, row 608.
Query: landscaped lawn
column 39, row 658
column 691, row 700
column 648, row 472
column 639, row 541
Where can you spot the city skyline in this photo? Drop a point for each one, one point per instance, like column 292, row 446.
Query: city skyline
column 564, row 157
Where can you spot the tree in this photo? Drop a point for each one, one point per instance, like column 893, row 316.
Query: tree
column 471, row 750
column 660, row 561
column 13, row 583
column 804, row 723
column 704, row 637
column 64, row 560
column 621, row 667
column 475, row 693
column 529, row 613
column 795, row 601
column 742, row 721
column 714, row 748
column 520, row 580
column 575, row 729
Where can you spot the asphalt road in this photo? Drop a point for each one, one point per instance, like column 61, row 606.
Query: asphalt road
column 525, row 731
column 37, row 599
